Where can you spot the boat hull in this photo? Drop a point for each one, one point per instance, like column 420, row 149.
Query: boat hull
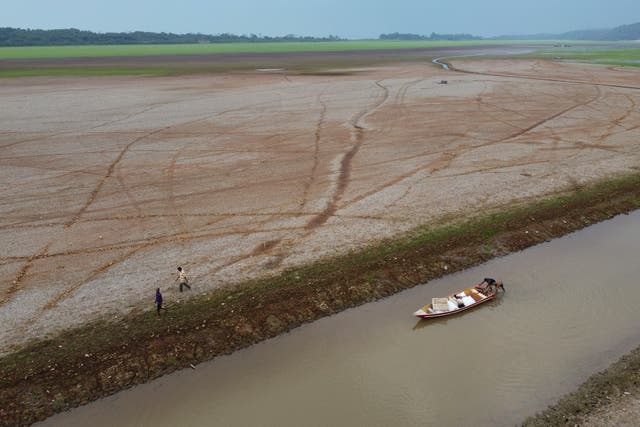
column 426, row 312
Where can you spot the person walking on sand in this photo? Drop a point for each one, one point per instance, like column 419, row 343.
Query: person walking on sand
column 158, row 300
column 182, row 279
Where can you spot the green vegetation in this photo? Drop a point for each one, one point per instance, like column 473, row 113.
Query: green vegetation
column 50, row 52
column 432, row 36
column 623, row 57
column 72, row 36
column 75, row 37
column 623, row 32
column 171, row 59
column 84, row 72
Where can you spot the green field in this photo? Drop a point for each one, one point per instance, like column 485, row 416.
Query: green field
column 623, row 57
column 44, row 52
column 156, row 60
column 80, row 72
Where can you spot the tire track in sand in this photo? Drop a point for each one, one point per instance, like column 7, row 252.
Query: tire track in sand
column 185, row 235
column 53, row 302
column 344, row 175
column 108, row 174
column 620, row 119
column 178, row 213
column 262, row 248
column 448, row 157
column 529, row 77
column 316, row 152
column 15, row 284
column 182, row 237
column 114, row 164
column 171, row 199
column 92, row 197
column 547, row 119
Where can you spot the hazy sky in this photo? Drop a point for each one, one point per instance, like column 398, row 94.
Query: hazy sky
column 344, row 18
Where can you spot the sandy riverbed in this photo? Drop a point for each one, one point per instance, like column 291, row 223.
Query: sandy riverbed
column 110, row 183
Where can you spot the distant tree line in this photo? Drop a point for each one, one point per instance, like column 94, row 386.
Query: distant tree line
column 621, row 33
column 432, row 37
column 73, row 36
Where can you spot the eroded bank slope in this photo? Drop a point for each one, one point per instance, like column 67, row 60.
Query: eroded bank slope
column 608, row 399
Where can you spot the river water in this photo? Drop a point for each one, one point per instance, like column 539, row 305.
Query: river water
column 571, row 308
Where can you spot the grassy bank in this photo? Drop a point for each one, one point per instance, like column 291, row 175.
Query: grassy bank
column 98, row 359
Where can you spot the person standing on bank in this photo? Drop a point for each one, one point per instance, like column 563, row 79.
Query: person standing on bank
column 182, row 279
column 158, row 300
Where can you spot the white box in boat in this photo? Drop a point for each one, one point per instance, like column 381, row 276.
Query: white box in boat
column 440, row 304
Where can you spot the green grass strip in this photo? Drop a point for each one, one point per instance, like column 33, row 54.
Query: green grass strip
column 628, row 57
column 49, row 52
column 84, row 72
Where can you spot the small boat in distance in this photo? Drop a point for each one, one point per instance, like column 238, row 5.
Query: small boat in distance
column 461, row 300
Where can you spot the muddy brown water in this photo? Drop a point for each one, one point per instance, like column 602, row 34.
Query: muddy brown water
column 571, row 308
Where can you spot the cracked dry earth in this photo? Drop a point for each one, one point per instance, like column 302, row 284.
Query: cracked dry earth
column 110, row 183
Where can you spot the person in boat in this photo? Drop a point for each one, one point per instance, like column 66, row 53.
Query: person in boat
column 459, row 302
column 485, row 284
column 490, row 285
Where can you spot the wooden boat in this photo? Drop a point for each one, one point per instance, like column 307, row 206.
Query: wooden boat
column 458, row 302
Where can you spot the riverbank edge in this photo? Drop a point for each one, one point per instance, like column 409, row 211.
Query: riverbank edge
column 599, row 394
column 98, row 359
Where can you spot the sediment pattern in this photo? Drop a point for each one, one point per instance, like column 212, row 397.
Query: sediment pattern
column 113, row 182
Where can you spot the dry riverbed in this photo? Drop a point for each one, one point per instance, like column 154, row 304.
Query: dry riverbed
column 244, row 178
column 111, row 183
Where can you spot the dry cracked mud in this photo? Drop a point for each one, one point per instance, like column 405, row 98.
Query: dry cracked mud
column 112, row 182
